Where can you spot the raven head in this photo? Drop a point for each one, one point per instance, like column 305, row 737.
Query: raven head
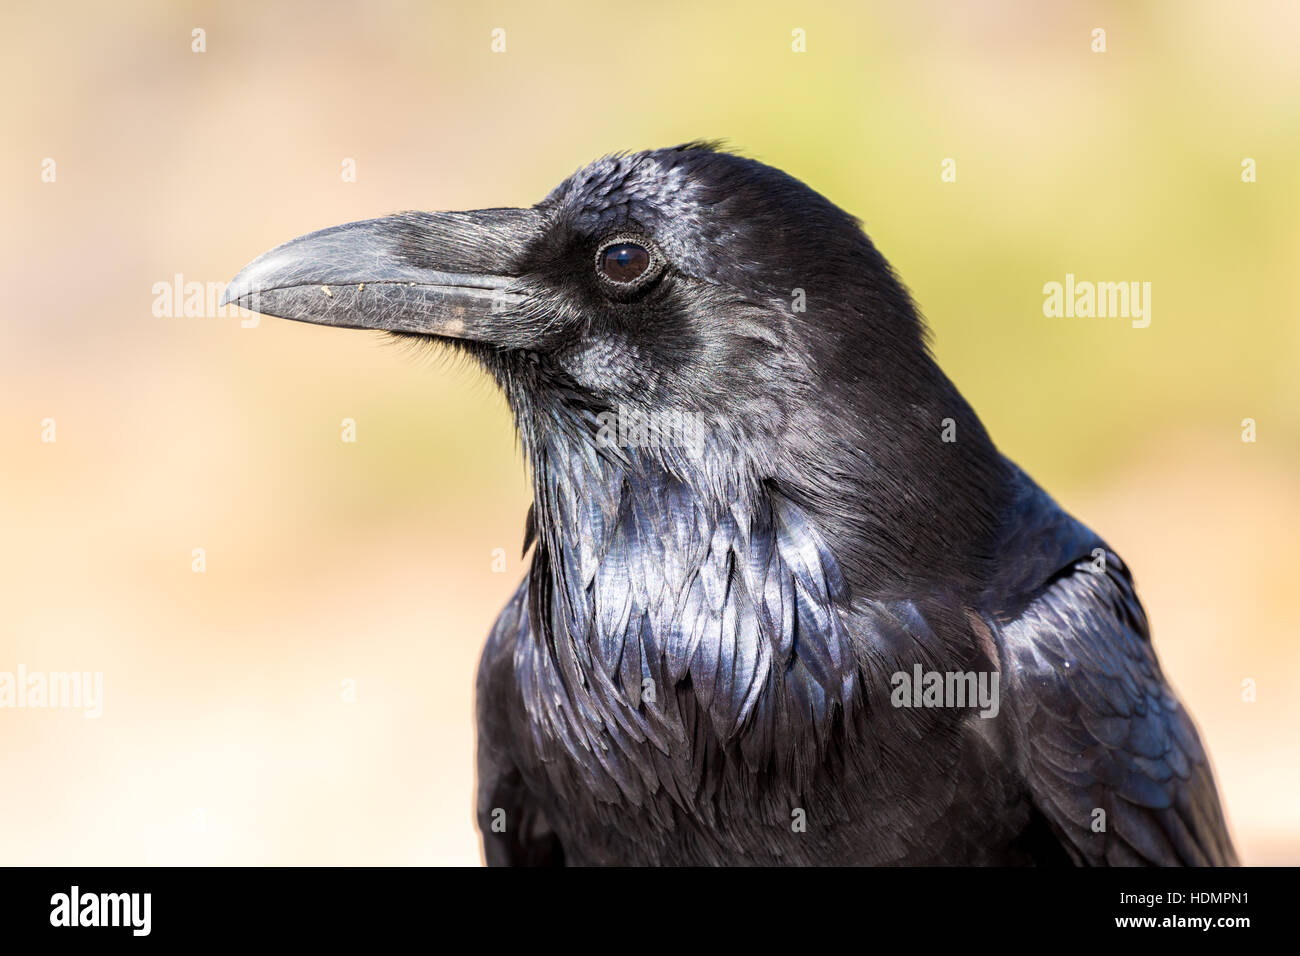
column 683, row 281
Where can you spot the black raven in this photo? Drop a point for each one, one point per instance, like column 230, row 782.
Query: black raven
column 787, row 602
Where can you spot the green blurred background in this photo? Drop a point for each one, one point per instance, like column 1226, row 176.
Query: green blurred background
column 226, row 737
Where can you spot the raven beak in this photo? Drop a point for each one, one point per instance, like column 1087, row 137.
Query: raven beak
column 447, row 274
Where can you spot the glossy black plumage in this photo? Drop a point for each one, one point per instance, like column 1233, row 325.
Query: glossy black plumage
column 699, row 666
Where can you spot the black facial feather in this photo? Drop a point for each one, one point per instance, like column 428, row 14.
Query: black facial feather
column 840, row 406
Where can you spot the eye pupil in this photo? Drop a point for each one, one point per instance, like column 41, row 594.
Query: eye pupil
column 624, row 261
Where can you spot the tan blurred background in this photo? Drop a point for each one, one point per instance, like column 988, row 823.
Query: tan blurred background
column 225, row 736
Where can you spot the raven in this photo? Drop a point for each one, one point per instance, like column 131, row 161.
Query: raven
column 787, row 602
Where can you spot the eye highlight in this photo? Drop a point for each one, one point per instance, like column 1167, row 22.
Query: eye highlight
column 627, row 262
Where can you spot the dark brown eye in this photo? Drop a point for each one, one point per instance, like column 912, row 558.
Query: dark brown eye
column 624, row 262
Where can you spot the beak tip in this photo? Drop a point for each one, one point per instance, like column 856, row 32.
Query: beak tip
column 240, row 291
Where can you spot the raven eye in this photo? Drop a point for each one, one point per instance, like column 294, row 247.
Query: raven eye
column 625, row 262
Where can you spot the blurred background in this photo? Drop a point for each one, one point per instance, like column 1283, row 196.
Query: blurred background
column 307, row 698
